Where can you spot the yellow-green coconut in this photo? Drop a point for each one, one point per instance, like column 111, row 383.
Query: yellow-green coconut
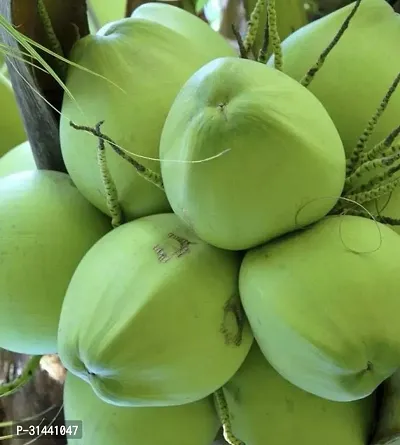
column 159, row 320
column 140, row 65
column 46, row 227
column 103, row 424
column 264, row 408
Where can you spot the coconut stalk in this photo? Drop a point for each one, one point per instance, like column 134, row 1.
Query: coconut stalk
column 291, row 16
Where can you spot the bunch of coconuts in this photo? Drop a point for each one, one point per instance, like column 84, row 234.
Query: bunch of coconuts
column 224, row 249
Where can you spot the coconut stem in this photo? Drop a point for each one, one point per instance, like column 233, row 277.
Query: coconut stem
column 143, row 171
column 310, row 75
column 55, row 44
column 242, row 49
column 384, row 155
column 376, row 187
column 29, row 369
column 364, row 168
column 374, row 193
column 379, row 180
column 223, row 413
column 108, row 183
column 383, row 148
column 253, row 25
column 262, row 55
column 273, row 35
column 364, row 138
column 373, row 165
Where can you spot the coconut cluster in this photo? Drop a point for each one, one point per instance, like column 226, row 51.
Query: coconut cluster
column 223, row 250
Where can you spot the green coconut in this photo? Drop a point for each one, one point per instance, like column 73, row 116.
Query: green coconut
column 19, row 158
column 188, row 25
column 12, row 131
column 357, row 73
column 323, row 304
column 46, row 228
column 159, row 320
column 104, row 424
column 265, row 408
column 264, row 155
column 145, row 64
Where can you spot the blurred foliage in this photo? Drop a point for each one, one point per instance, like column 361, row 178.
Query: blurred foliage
column 319, row 8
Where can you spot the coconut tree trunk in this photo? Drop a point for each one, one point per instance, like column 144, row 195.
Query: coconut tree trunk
column 43, row 394
column 39, row 95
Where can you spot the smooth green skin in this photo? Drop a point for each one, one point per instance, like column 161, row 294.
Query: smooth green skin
column 265, row 408
column 150, row 63
column 150, row 332
column 46, row 228
column 18, row 159
column 12, row 131
column 186, row 24
column 285, row 160
column 105, row 424
column 323, row 305
column 357, row 73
